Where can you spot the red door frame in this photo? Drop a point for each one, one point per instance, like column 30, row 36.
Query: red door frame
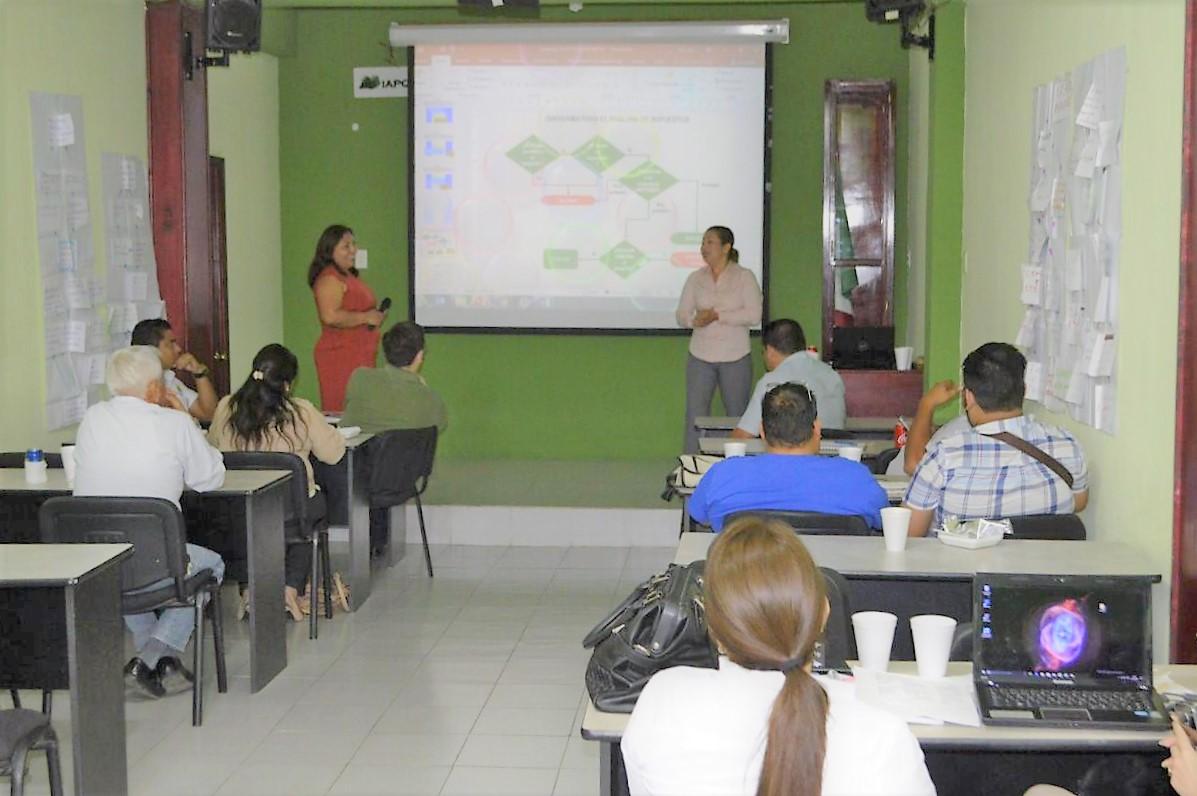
column 1184, row 522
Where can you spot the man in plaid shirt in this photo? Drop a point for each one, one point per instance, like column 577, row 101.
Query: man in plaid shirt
column 969, row 474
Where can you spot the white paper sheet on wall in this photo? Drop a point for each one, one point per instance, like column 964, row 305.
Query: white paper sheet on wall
column 1069, row 285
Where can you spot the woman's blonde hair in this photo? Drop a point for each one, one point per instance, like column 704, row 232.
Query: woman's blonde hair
column 766, row 604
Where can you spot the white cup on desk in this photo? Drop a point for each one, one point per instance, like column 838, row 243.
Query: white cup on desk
column 853, row 452
column 932, row 643
column 874, row 631
column 68, row 462
column 895, row 524
column 903, row 355
column 731, row 449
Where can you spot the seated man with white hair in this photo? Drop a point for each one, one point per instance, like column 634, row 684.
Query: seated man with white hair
column 143, row 443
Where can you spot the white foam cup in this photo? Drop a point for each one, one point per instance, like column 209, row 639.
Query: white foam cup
column 903, row 355
column 853, row 452
column 874, row 632
column 68, row 462
column 895, row 523
column 932, row 643
column 735, row 449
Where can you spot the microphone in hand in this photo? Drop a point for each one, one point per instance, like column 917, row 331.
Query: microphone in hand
column 383, row 306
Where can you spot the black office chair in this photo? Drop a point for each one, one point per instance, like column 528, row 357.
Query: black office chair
column 155, row 529
column 1065, row 527
column 812, row 523
column 304, row 521
column 879, row 464
column 839, row 645
column 399, row 463
column 21, row 732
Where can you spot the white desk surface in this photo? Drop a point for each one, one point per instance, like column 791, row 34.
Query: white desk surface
column 236, row 482
column 930, row 558
column 600, row 726
column 713, row 446
column 39, row 564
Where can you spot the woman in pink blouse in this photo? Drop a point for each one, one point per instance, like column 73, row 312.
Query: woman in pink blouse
column 720, row 302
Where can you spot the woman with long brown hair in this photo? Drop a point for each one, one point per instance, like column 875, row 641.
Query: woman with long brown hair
column 762, row 723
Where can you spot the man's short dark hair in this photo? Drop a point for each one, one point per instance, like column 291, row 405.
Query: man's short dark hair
column 994, row 374
column 402, row 342
column 784, row 336
column 150, row 332
column 788, row 413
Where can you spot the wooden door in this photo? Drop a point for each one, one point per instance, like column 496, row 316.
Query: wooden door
column 1184, row 523
column 220, row 274
column 180, row 208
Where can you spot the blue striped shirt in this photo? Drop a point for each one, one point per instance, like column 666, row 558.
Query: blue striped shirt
column 972, row 476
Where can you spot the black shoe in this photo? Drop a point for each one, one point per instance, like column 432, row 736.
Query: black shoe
column 170, row 669
column 140, row 676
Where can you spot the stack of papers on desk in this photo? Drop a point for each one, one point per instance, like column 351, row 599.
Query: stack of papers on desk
column 918, row 700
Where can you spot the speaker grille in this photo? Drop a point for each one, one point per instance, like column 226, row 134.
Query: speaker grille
column 234, row 25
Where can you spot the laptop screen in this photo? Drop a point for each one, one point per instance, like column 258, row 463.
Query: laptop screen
column 1062, row 630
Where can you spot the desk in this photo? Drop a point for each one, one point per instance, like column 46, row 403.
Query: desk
column 859, row 426
column 975, row 760
column 713, row 446
column 261, row 494
column 60, row 622
column 930, row 577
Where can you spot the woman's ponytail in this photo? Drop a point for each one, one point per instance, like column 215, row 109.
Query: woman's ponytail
column 797, row 740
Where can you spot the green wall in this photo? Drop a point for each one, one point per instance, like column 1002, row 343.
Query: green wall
column 541, row 396
column 945, row 201
column 1012, row 46
column 94, row 49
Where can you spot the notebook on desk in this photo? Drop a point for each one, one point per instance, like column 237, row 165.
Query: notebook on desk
column 1064, row 651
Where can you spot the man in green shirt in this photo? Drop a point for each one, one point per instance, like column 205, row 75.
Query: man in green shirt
column 395, row 395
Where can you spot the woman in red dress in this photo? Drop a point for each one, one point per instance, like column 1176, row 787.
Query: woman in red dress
column 349, row 319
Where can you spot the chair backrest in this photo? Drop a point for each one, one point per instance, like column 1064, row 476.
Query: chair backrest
column 839, row 644
column 152, row 525
column 1066, row 527
column 810, row 522
column 399, row 463
column 295, row 510
column 880, row 463
column 17, row 459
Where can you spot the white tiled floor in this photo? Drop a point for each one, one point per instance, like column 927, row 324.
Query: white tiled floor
column 468, row 683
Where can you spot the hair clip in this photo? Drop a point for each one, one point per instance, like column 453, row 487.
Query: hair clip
column 258, row 375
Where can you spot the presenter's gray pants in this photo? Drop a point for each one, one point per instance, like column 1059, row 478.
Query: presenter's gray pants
column 735, row 386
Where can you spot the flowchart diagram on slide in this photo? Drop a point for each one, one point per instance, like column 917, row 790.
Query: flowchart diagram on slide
column 654, row 217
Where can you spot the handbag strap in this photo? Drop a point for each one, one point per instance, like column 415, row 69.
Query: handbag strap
column 1034, row 452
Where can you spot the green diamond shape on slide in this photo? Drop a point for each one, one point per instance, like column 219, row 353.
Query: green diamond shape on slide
column 598, row 154
column 624, row 259
column 648, row 179
column 532, row 154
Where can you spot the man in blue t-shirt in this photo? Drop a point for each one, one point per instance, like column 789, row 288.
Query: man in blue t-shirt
column 791, row 475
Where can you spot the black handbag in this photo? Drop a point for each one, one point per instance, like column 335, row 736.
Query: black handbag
column 660, row 624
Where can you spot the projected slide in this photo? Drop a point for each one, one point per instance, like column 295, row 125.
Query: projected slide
column 569, row 186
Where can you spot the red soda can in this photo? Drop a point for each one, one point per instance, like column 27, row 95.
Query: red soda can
column 899, row 435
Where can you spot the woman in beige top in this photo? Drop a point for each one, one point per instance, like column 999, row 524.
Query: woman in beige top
column 263, row 416
column 719, row 302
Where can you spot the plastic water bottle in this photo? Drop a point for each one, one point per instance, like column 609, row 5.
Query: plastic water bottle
column 35, row 466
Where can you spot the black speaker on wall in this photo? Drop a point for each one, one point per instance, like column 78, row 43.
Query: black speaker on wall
column 234, row 25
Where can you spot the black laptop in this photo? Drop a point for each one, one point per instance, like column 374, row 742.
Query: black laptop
column 1064, row 651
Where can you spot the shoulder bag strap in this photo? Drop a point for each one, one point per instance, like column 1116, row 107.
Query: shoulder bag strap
column 1034, row 452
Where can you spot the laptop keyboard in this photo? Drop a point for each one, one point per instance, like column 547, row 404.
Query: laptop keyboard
column 1030, row 698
